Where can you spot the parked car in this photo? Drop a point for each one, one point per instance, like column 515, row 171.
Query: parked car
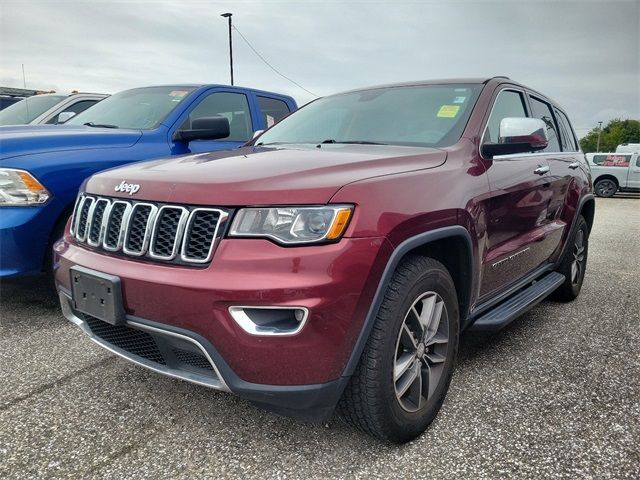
column 48, row 108
column 613, row 172
column 42, row 166
column 335, row 259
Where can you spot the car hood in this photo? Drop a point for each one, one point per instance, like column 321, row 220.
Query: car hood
column 29, row 139
column 263, row 175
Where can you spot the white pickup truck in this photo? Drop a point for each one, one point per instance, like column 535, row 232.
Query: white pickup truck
column 613, row 172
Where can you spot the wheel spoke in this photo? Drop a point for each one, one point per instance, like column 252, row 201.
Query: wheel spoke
column 407, row 380
column 434, row 376
column 439, row 338
column 402, row 365
column 434, row 357
column 574, row 272
column 407, row 340
column 428, row 305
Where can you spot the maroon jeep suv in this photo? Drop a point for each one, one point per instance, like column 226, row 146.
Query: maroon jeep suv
column 331, row 263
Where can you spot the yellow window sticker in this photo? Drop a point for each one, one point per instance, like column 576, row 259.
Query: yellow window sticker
column 448, row 111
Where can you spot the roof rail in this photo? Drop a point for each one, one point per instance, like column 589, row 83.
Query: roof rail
column 497, row 76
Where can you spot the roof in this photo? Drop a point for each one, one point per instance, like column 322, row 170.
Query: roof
column 441, row 81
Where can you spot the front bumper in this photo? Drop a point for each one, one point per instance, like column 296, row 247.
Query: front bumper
column 300, row 375
column 24, row 238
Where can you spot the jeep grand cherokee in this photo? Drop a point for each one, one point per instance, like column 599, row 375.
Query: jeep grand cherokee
column 332, row 262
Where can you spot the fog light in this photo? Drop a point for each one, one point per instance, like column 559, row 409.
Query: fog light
column 270, row 321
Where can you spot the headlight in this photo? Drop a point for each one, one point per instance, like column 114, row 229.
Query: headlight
column 292, row 225
column 18, row 187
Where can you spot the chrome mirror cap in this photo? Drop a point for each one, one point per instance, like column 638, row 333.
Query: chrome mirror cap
column 524, row 130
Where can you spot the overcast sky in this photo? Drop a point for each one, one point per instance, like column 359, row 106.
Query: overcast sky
column 584, row 54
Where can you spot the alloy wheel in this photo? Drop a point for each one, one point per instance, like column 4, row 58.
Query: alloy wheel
column 577, row 266
column 421, row 350
column 606, row 188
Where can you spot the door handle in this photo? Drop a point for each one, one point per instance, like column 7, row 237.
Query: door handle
column 574, row 165
column 541, row 170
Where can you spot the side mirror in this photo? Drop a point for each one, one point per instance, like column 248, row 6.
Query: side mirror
column 205, row 128
column 257, row 133
column 64, row 117
column 518, row 135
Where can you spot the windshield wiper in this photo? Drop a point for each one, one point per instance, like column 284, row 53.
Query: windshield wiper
column 350, row 142
column 100, row 125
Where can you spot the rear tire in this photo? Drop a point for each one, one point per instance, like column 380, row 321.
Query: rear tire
column 574, row 263
column 406, row 367
column 606, row 188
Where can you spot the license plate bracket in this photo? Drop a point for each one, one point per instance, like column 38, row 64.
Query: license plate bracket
column 97, row 294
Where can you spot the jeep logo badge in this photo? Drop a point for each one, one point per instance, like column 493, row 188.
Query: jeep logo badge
column 130, row 188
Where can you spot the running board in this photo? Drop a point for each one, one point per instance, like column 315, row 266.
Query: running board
column 507, row 311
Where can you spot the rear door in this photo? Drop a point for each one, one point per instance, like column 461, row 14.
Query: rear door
column 633, row 180
column 518, row 208
column 271, row 110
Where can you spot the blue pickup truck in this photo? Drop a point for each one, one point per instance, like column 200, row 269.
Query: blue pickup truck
column 43, row 166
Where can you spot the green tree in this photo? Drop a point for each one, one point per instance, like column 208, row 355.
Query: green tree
column 617, row 131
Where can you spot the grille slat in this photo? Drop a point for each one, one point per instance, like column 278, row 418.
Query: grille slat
column 81, row 232
column 199, row 236
column 167, row 233
column 95, row 229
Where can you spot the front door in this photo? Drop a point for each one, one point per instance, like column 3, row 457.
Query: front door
column 232, row 105
column 518, row 207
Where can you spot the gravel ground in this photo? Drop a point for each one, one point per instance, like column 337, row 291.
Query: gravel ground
column 554, row 395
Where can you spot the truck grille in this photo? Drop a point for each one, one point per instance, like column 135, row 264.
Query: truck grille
column 166, row 233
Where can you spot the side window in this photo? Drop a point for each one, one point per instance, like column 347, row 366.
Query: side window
column 569, row 143
column 638, row 161
column 234, row 106
column 272, row 110
column 507, row 104
column 76, row 108
column 542, row 111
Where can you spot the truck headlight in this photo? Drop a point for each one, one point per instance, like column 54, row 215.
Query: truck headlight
column 292, row 225
column 19, row 187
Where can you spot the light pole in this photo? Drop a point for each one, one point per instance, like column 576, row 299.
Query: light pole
column 228, row 16
column 599, row 132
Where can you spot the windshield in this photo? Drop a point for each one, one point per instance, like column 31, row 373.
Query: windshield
column 430, row 115
column 24, row 111
column 140, row 108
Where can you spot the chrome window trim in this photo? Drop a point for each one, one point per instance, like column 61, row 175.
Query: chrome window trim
column 102, row 222
column 83, row 238
column 123, row 224
column 222, row 217
column 147, row 230
column 182, row 223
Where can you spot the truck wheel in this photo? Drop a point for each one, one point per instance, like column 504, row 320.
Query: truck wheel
column 606, row 188
column 574, row 263
column 407, row 364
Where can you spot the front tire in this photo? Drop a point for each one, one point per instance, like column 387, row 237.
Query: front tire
column 605, row 188
column 407, row 364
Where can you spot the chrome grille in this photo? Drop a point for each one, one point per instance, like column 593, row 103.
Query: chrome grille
column 167, row 233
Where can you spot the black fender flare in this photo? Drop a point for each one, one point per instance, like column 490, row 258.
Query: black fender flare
column 396, row 256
